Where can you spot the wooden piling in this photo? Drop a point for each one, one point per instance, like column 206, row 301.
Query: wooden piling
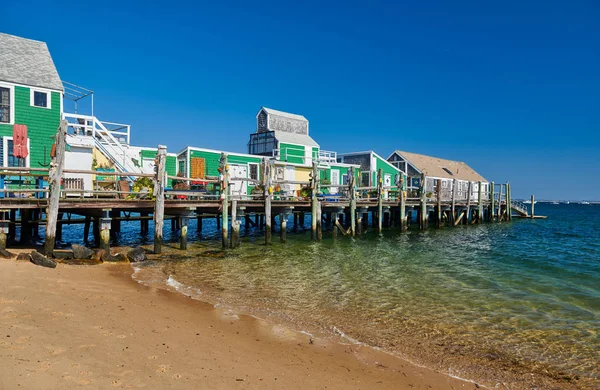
column 508, row 202
column 268, row 184
column 54, row 178
column 469, row 193
column 335, row 222
column 314, row 201
column 499, row 203
column 319, row 221
column 105, row 224
column 159, row 194
column 532, row 206
column 380, row 200
column 480, row 203
column 352, row 190
column 183, row 232
column 438, row 219
column 423, row 217
column 492, row 203
column 283, row 224
column 224, row 179
column 4, row 226
column 402, row 196
column 235, row 225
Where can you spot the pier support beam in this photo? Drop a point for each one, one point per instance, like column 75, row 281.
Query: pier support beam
column 480, row 203
column 319, row 221
column 183, row 232
column 492, row 203
column 352, row 190
column 438, row 217
column 54, row 178
column 235, row 225
column 380, row 200
column 105, row 224
column 508, row 202
column 402, row 201
column 314, row 201
column 423, row 215
column 469, row 195
column 159, row 193
column 4, row 226
column 224, row 179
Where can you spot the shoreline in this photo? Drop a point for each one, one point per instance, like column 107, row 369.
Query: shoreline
column 122, row 334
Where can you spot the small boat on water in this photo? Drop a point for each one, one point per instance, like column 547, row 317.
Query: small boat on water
column 553, row 203
column 529, row 202
column 584, row 202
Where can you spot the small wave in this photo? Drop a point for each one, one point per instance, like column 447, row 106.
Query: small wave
column 182, row 288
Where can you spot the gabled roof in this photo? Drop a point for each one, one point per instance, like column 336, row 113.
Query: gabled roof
column 284, row 114
column 434, row 166
column 293, row 138
column 28, row 62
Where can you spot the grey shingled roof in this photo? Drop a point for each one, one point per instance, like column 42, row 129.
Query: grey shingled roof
column 285, row 114
column 28, row 62
column 293, row 138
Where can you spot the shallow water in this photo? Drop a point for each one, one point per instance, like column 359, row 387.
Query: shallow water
column 488, row 302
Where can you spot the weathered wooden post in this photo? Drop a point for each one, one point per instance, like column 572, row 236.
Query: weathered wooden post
column 532, row 206
column 352, row 191
column 453, row 202
column 402, row 196
column 319, row 221
column 267, row 179
column 500, row 203
column 105, row 225
column 508, row 202
column 224, row 179
column 159, row 195
column 183, row 232
column 380, row 200
column 54, row 178
column 438, row 219
column 313, row 199
column 492, row 203
column 4, row 223
column 283, row 227
column 334, row 224
column 235, row 225
column 480, row 203
column 423, row 215
column 469, row 193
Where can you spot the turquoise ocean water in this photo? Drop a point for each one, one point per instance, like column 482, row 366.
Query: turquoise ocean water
column 494, row 303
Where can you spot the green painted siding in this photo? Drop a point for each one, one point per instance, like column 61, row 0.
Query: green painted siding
column 170, row 165
column 291, row 153
column 213, row 158
column 42, row 124
column 325, row 174
column 386, row 168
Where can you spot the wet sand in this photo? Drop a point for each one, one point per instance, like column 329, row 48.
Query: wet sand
column 94, row 327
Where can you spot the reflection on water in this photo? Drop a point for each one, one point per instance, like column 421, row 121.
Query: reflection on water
column 520, row 296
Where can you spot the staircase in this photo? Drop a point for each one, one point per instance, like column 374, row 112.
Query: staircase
column 520, row 208
column 111, row 139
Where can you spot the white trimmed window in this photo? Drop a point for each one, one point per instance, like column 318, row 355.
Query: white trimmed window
column 6, row 154
column 40, row 98
column 7, row 104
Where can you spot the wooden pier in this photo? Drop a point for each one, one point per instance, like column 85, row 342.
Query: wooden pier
column 345, row 214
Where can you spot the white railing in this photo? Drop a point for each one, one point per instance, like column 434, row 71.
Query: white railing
column 112, row 139
column 327, row 156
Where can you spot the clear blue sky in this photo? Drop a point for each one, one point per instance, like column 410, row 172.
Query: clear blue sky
column 511, row 88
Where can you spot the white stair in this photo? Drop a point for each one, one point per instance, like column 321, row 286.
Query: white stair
column 111, row 139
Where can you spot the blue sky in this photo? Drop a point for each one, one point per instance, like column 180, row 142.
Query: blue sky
column 511, row 88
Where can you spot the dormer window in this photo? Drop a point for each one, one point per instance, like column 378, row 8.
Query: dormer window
column 40, row 98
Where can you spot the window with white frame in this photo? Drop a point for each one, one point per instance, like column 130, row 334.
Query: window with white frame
column 253, row 172
column 40, row 98
column 7, row 157
column 6, row 104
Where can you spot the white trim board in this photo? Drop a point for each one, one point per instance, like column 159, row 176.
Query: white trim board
column 5, row 151
column 48, row 93
column 11, row 88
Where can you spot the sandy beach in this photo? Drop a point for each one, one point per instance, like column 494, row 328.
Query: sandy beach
column 94, row 327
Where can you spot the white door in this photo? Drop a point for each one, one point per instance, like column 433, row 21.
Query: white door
column 387, row 182
column 335, row 180
column 238, row 188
